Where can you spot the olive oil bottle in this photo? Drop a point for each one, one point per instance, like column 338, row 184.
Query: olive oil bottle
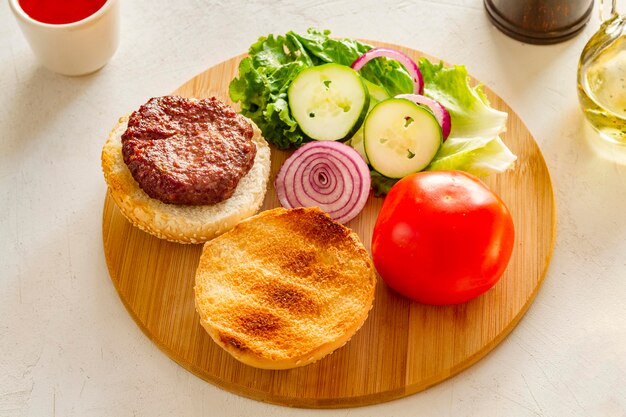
column 602, row 80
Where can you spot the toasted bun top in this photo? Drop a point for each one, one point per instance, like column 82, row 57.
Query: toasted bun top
column 284, row 288
column 179, row 223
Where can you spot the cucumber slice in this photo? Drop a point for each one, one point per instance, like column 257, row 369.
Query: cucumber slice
column 400, row 137
column 329, row 101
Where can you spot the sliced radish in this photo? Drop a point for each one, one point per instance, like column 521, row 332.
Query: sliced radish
column 441, row 114
column 403, row 59
column 328, row 175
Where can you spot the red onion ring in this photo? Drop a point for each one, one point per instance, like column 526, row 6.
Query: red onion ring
column 403, row 59
column 441, row 113
column 325, row 174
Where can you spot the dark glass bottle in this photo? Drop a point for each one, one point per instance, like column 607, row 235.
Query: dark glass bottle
column 539, row 21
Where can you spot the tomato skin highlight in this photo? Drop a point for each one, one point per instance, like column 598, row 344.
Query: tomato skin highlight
column 442, row 237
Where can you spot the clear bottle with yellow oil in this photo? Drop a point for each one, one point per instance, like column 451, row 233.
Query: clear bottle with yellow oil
column 602, row 79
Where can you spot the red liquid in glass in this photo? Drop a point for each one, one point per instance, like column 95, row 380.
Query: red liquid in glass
column 60, row 12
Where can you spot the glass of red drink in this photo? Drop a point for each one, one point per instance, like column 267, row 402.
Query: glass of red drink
column 71, row 37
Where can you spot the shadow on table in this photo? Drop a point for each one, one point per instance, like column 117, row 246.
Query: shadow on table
column 610, row 152
column 523, row 62
column 592, row 176
column 40, row 98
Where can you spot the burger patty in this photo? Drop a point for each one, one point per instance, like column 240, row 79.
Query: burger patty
column 186, row 151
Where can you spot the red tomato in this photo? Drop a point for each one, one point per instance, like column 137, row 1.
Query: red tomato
column 442, row 237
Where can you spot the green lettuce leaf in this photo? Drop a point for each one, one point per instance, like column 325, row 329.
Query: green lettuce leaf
column 261, row 88
column 480, row 156
column 470, row 112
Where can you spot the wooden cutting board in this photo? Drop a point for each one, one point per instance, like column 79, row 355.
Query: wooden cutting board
column 403, row 348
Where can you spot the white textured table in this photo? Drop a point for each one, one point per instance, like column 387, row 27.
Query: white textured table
column 68, row 346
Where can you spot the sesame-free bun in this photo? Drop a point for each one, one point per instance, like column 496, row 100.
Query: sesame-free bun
column 180, row 223
column 284, row 288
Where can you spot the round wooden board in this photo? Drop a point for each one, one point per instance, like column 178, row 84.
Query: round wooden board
column 403, row 348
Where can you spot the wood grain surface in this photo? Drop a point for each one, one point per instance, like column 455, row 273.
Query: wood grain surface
column 404, row 347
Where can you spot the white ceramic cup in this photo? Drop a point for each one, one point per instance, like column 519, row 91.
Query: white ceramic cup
column 76, row 48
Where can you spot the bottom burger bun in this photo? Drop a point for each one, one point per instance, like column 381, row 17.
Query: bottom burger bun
column 180, row 223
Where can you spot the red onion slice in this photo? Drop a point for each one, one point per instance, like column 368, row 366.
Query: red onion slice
column 405, row 60
column 441, row 114
column 328, row 175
